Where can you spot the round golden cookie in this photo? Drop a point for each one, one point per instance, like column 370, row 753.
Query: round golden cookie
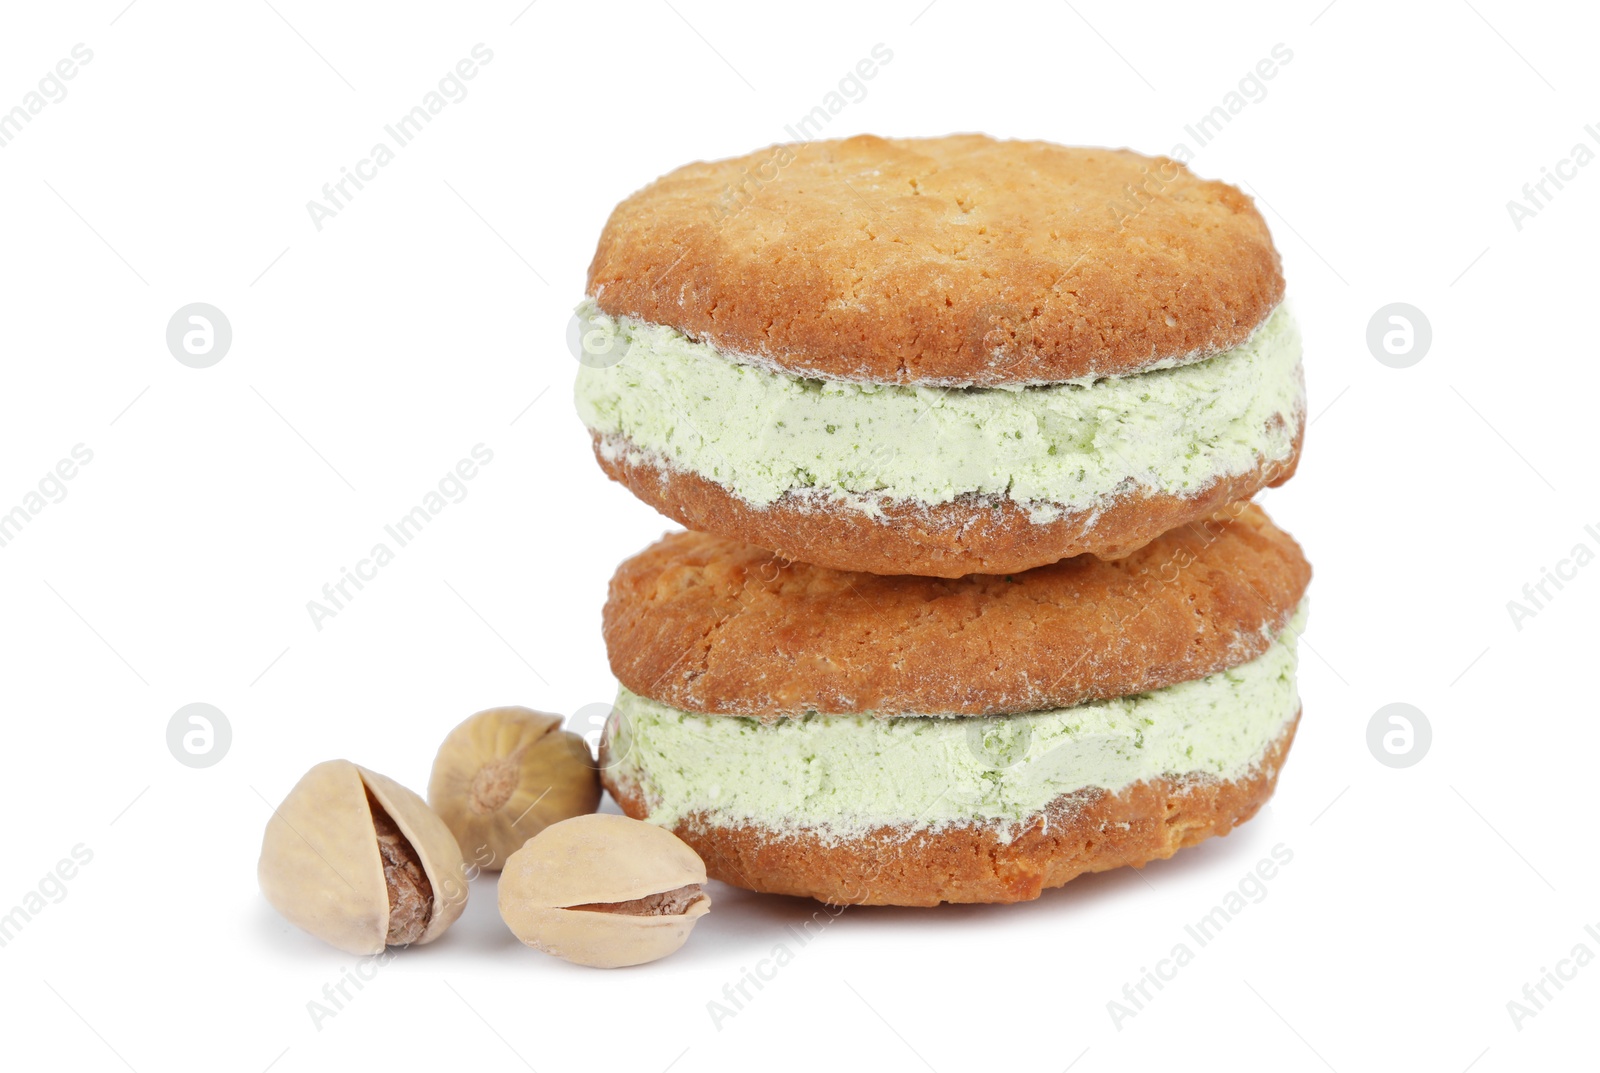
column 1087, row 831
column 708, row 624
column 955, row 261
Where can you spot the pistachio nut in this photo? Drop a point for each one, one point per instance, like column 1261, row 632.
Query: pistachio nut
column 604, row 890
column 506, row 774
column 361, row 862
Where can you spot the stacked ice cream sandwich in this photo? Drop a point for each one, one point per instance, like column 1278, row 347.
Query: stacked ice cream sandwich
column 965, row 431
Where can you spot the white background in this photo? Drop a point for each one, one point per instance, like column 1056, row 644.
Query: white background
column 428, row 316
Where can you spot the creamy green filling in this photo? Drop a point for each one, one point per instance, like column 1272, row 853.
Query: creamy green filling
column 1051, row 448
column 844, row 775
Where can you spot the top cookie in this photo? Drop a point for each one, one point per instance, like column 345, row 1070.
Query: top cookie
column 709, row 624
column 956, row 261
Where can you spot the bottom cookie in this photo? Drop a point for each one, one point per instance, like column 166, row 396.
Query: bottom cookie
column 970, row 535
column 1085, row 831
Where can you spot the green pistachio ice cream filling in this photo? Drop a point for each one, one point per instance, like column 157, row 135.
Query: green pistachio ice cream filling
column 1051, row 448
column 841, row 776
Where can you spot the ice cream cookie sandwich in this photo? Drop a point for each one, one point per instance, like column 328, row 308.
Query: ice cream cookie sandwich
column 939, row 356
column 860, row 738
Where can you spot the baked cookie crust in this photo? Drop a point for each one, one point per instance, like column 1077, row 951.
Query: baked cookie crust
column 713, row 625
column 1088, row 831
column 969, row 535
column 957, row 261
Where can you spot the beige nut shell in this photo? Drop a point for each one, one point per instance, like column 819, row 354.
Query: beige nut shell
column 548, row 776
column 600, row 858
column 321, row 869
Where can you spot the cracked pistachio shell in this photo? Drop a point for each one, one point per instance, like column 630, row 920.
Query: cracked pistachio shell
column 506, row 774
column 322, row 869
column 602, row 860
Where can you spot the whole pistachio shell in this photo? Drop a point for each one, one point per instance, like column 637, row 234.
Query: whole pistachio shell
column 604, row 890
column 361, row 862
column 506, row 774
